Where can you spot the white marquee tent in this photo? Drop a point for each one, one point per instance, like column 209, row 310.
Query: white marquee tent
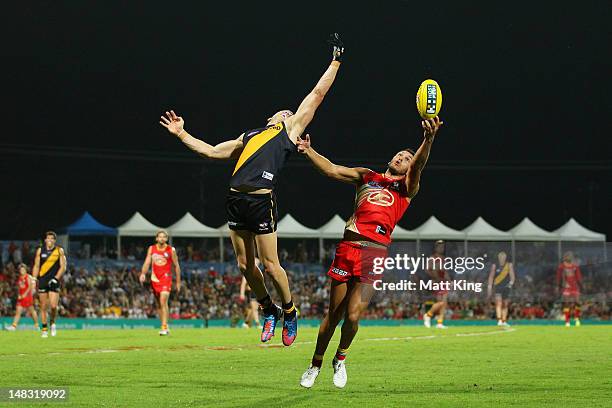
column 136, row 226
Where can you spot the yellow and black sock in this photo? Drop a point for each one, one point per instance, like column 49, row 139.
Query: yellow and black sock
column 341, row 354
column 289, row 309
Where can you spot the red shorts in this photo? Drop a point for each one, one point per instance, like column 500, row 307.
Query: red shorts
column 161, row 286
column 26, row 302
column 356, row 261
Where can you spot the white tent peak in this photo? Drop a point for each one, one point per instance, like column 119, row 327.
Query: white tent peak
column 573, row 231
column 289, row 227
column 480, row 230
column 138, row 226
column 334, row 228
column 434, row 229
column 189, row 226
column 526, row 230
column 403, row 233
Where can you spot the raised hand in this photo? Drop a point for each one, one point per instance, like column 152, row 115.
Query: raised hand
column 431, row 127
column 174, row 124
column 303, row 144
column 336, row 42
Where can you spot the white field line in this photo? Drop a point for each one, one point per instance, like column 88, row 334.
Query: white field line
column 297, row 343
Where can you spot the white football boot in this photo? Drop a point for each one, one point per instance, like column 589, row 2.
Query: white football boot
column 10, row 328
column 309, row 376
column 427, row 321
column 441, row 326
column 339, row 373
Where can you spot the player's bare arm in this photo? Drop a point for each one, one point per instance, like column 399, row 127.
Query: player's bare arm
column 177, row 270
column 490, row 284
column 512, row 274
column 352, row 175
column 62, row 268
column 36, row 267
column 227, row 150
column 430, row 129
column 298, row 122
column 145, row 267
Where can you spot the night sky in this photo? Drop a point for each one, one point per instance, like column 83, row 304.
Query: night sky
column 526, row 107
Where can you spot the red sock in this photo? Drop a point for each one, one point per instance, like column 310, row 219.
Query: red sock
column 341, row 354
column 566, row 312
column 577, row 312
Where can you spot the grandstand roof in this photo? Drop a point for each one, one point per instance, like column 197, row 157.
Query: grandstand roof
column 434, row 229
column 87, row 225
column 480, row 230
column 526, row 230
column 332, row 229
column 573, row 231
column 189, row 226
column 289, row 227
column 138, row 226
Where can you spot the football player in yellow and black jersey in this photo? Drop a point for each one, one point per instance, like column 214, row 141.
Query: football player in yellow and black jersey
column 501, row 279
column 251, row 204
column 49, row 266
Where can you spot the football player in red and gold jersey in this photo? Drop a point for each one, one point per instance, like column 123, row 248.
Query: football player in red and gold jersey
column 160, row 259
column 380, row 201
column 569, row 279
column 25, row 300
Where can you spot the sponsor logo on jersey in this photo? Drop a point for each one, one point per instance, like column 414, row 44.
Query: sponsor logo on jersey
column 263, row 225
column 381, row 197
column 159, row 260
column 381, row 230
column 232, row 223
column 339, row 272
column 267, row 175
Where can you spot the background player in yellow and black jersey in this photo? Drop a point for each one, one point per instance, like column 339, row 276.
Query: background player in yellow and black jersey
column 251, row 203
column 49, row 266
column 501, row 280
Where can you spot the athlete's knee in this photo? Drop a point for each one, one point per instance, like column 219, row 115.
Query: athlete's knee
column 272, row 267
column 244, row 265
column 352, row 316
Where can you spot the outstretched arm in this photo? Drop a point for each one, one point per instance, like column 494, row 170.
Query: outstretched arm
column 430, row 128
column 298, row 122
column 351, row 175
column 230, row 149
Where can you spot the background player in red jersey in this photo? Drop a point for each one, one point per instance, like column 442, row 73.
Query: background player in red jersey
column 569, row 280
column 437, row 273
column 380, row 201
column 25, row 300
column 160, row 258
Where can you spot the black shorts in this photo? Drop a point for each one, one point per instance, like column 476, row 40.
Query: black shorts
column 503, row 291
column 43, row 284
column 252, row 212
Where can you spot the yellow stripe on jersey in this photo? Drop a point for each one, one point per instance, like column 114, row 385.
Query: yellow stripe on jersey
column 502, row 275
column 255, row 143
column 49, row 262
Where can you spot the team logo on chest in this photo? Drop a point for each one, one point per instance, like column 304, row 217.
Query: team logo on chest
column 381, row 197
column 160, row 260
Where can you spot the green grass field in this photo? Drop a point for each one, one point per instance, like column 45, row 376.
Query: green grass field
column 387, row 366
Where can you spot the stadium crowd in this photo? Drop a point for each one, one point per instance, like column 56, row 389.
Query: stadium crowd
column 112, row 290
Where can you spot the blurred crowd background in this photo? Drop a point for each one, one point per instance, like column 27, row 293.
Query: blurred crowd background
column 98, row 286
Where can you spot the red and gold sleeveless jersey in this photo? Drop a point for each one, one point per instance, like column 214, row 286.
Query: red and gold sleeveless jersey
column 380, row 202
column 161, row 263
